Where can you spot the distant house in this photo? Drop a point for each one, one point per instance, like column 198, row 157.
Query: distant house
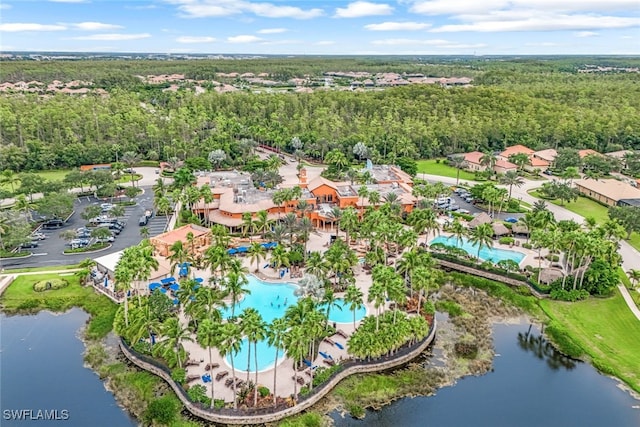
column 548, row 155
column 504, row 166
column 611, row 192
column 473, row 161
column 588, row 152
column 515, row 149
column 536, row 163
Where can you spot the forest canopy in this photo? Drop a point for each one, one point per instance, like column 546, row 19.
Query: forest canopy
column 538, row 103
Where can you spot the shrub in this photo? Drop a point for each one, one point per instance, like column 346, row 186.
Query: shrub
column 466, row 348
column 553, row 257
column 179, row 375
column 450, row 307
column 94, row 247
column 163, row 411
column 198, row 393
column 51, row 284
column 356, row 411
column 264, row 391
column 506, row 240
column 569, row 294
column 527, row 245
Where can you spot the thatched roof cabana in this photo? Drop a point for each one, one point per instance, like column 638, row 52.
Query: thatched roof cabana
column 548, row 275
column 499, row 229
column 481, row 218
column 519, row 228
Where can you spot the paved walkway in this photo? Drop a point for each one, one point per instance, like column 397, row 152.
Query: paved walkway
column 630, row 256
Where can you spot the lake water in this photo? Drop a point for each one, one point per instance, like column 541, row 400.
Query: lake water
column 41, row 368
column 532, row 385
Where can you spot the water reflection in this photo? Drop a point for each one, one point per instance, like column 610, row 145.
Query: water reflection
column 544, row 350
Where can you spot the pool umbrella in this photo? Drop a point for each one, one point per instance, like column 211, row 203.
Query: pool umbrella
column 199, row 279
column 232, row 251
column 174, row 286
column 153, row 286
column 242, row 249
column 167, row 280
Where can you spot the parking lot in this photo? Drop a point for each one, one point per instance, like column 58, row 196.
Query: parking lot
column 50, row 250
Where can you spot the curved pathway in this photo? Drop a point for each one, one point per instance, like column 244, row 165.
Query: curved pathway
column 630, row 256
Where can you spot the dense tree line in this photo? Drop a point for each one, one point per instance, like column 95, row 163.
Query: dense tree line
column 540, row 110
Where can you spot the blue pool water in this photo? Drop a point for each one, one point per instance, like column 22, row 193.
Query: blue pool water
column 266, row 357
column 270, row 299
column 343, row 314
column 488, row 254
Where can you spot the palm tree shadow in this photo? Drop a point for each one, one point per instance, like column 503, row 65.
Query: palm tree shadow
column 544, row 350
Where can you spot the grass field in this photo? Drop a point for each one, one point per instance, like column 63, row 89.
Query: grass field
column 605, row 330
column 586, row 207
column 20, row 297
column 442, row 169
column 34, row 269
column 54, row 175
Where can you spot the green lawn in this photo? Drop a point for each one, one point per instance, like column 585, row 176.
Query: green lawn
column 53, row 175
column 605, row 330
column 20, row 297
column 50, row 268
column 586, row 207
column 442, row 169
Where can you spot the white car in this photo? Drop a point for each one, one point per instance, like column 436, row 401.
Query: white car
column 463, row 211
column 106, row 207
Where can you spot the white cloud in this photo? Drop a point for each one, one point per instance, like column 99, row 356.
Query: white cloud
column 438, row 43
column 359, row 9
column 446, row 7
column 214, row 8
column 244, row 38
column 114, row 37
column 398, row 26
column 195, row 39
column 281, row 42
column 586, row 34
column 19, row 26
column 537, row 21
column 324, row 43
column 95, row 26
column 68, row 1
column 4, row 6
column 272, row 31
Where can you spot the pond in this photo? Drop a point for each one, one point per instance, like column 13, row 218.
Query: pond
column 531, row 385
column 42, row 369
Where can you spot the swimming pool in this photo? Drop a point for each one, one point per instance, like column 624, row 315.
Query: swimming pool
column 488, row 254
column 266, row 357
column 343, row 314
column 271, row 300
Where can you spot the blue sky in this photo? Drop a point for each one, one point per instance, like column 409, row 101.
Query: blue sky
column 441, row 27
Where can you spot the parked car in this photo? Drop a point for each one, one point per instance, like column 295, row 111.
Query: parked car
column 148, row 213
column 469, row 199
column 464, row 211
column 144, row 220
column 129, row 170
column 511, row 220
column 38, row 236
column 28, row 245
column 107, row 239
column 78, row 243
column 106, row 207
column 547, row 172
column 53, row 223
column 453, row 207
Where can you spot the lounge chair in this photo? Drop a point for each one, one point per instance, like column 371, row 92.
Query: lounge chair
column 212, row 366
column 342, row 333
column 308, row 372
column 221, row 375
column 192, row 362
column 191, row 378
column 300, row 380
column 329, row 340
column 228, row 382
column 329, row 362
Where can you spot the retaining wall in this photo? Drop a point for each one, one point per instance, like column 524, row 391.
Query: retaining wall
column 230, row 416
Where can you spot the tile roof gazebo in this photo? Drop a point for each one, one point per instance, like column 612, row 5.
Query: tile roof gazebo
column 201, row 239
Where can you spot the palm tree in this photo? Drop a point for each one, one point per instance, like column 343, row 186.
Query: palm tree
column 457, row 230
column 178, row 255
column 329, row 300
column 257, row 253
column 275, row 338
column 247, row 224
column 9, row 177
column 488, row 160
column 131, row 159
column 511, row 178
column 634, row 275
column 363, row 191
column 234, row 284
column 262, row 222
column 230, row 339
column 458, row 162
column 255, row 329
column 159, row 188
column 173, row 335
column 279, row 257
column 377, row 295
column 296, row 347
column 353, row 296
column 482, row 236
column 349, row 222
column 123, row 274
column 24, row 205
column 374, row 198
column 305, row 228
column 209, row 336
column 316, row 264
column 336, row 215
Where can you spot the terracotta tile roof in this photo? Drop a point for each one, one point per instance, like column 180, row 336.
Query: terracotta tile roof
column 319, row 181
column 587, row 152
column 505, row 164
column 170, row 237
column 516, row 149
column 549, row 154
column 473, row 157
column 538, row 163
